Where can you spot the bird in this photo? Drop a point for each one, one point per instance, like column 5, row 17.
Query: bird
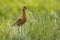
column 21, row 20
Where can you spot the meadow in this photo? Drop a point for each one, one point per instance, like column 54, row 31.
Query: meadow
column 43, row 19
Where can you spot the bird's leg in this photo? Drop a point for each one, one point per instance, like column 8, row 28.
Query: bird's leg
column 18, row 33
column 21, row 35
column 21, row 32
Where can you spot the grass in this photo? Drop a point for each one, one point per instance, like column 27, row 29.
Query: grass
column 43, row 19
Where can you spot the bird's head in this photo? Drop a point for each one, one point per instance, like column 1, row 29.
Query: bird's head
column 24, row 8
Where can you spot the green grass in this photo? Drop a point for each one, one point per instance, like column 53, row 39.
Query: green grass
column 43, row 19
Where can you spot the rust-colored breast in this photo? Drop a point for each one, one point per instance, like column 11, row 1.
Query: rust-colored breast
column 21, row 21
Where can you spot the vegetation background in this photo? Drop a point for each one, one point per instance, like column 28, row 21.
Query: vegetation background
column 43, row 19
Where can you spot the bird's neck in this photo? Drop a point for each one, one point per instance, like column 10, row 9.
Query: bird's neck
column 23, row 13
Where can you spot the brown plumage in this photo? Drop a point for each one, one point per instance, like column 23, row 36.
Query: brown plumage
column 22, row 19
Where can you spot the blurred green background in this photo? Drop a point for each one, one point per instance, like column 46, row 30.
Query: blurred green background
column 43, row 19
